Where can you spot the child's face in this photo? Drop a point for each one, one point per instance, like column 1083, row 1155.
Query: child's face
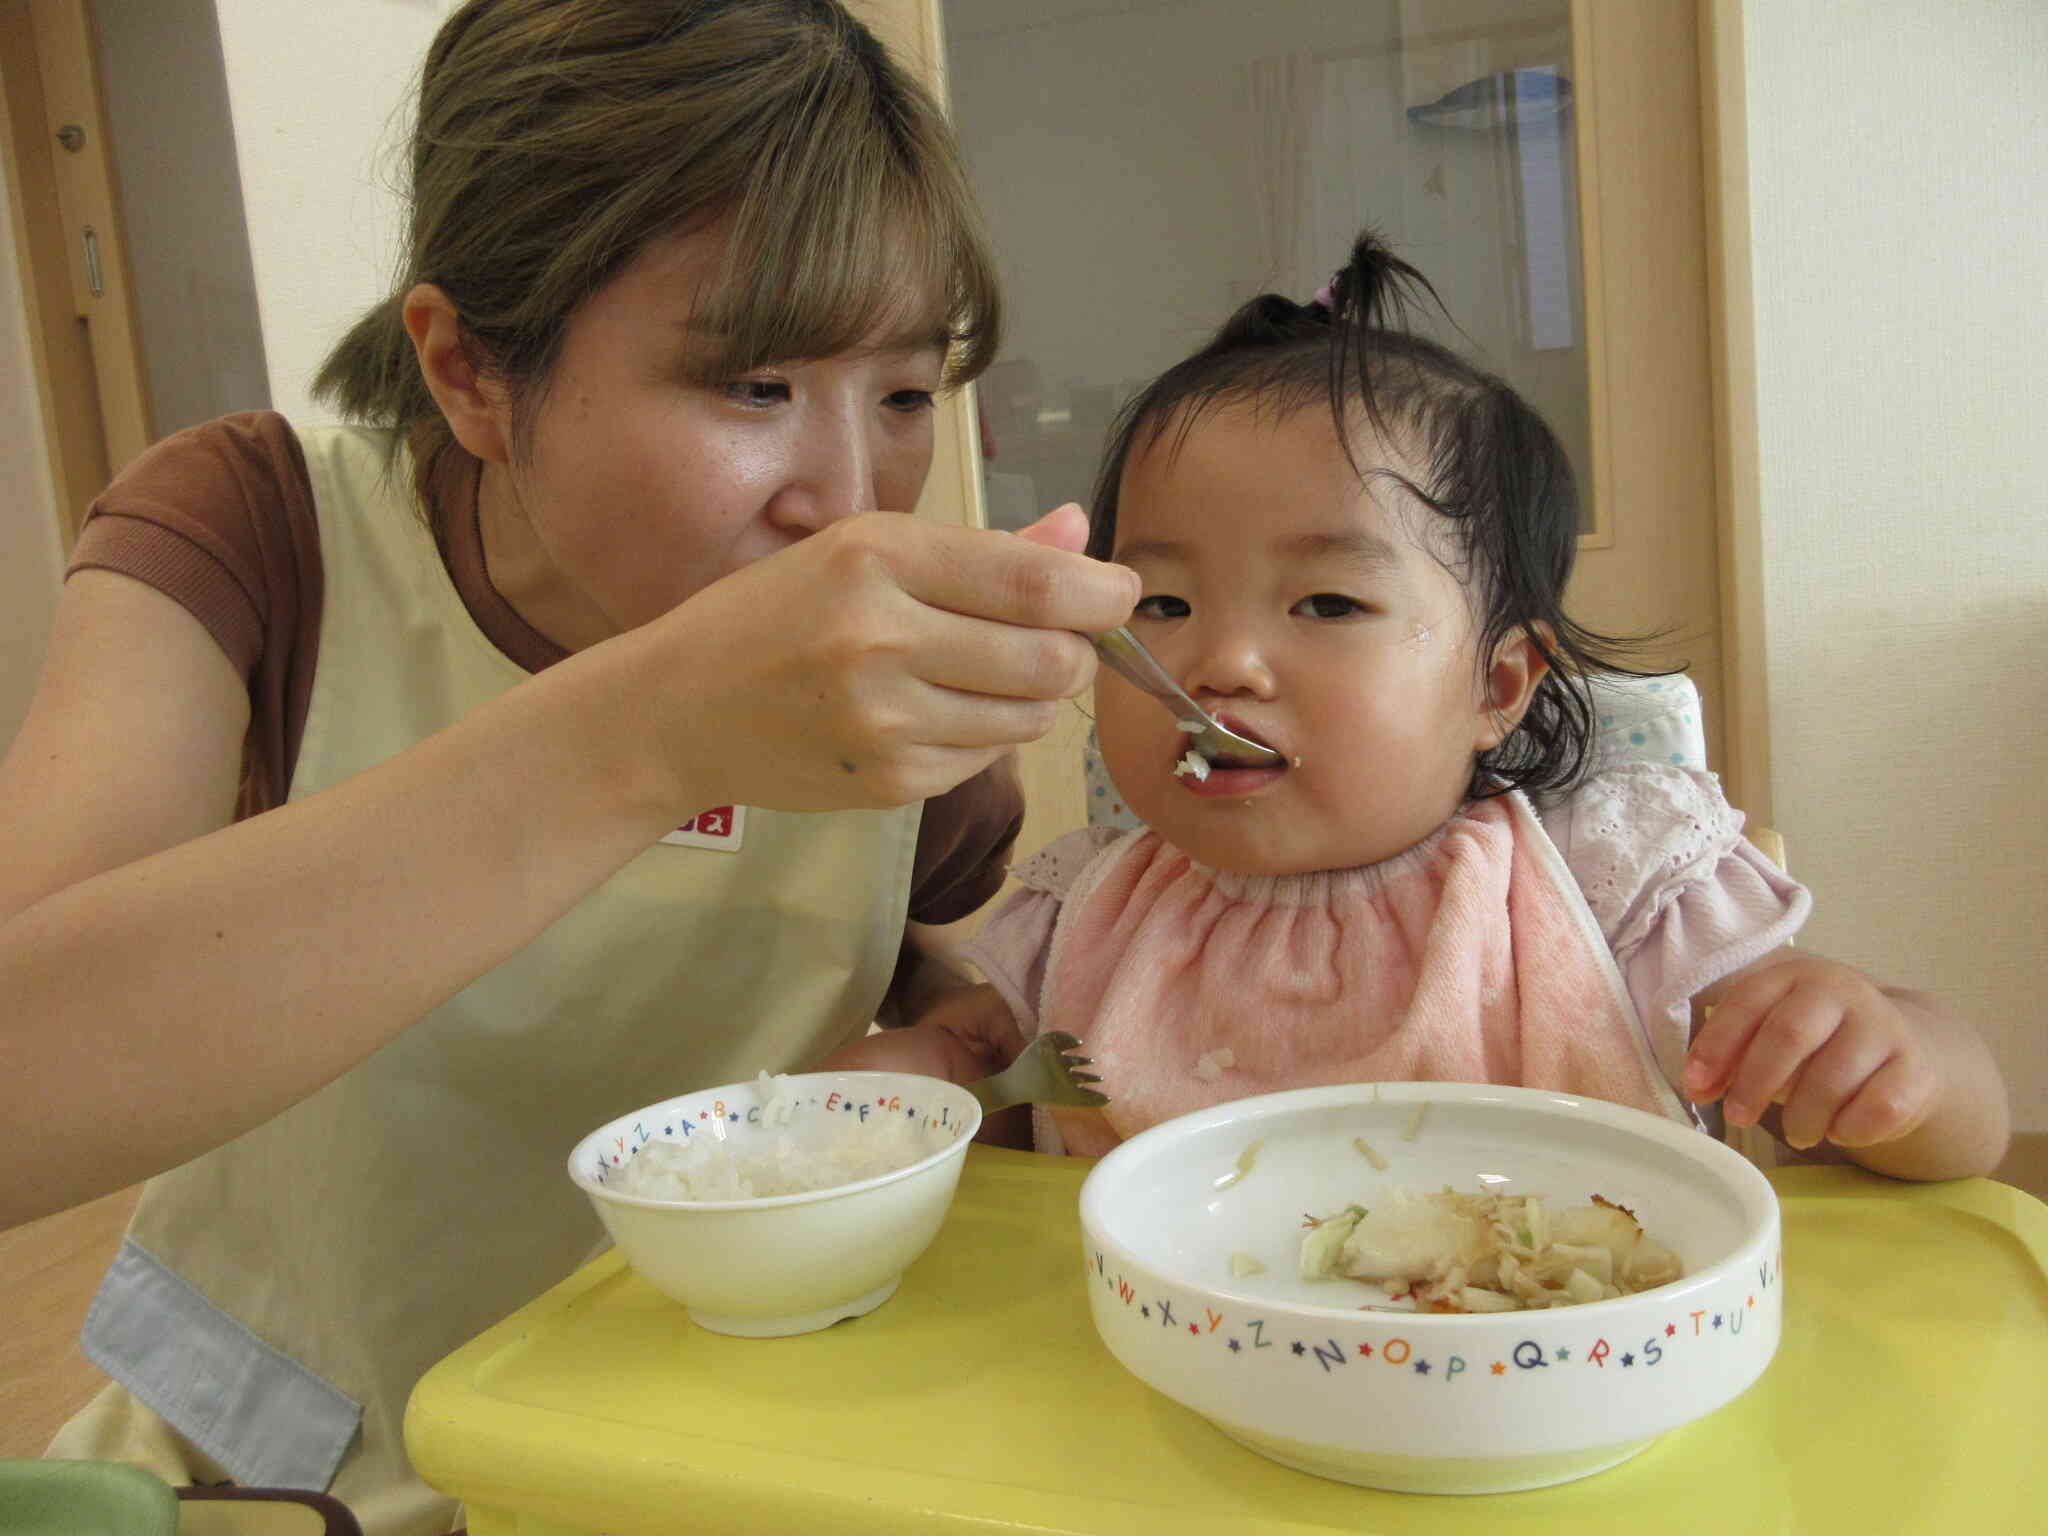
column 1302, row 609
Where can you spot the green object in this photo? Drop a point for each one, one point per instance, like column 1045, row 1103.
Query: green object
column 84, row 1498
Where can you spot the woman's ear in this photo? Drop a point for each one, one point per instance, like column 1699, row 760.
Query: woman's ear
column 1518, row 666
column 474, row 402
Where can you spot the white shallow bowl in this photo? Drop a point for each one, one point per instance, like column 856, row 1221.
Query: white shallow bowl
column 1427, row 1403
column 785, row 1264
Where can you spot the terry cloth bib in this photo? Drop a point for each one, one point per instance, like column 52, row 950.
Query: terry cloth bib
column 1470, row 958
column 277, row 1298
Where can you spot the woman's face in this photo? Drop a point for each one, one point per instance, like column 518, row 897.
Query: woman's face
column 644, row 482
column 1300, row 608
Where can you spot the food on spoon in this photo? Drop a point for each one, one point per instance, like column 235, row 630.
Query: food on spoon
column 1453, row 1252
column 1193, row 762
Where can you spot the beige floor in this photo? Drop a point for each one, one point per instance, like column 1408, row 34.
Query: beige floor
column 49, row 1268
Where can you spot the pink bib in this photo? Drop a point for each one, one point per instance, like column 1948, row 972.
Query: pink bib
column 1470, row 958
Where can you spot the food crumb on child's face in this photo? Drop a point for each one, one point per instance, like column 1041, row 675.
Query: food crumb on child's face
column 1298, row 628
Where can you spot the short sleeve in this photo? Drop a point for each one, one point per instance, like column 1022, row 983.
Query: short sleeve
column 1681, row 896
column 1011, row 947
column 964, row 842
column 220, row 518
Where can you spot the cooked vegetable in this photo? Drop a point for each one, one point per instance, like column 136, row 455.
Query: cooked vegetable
column 1451, row 1252
column 1245, row 1159
column 1322, row 1249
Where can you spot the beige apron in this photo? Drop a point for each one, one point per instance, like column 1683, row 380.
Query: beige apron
column 277, row 1298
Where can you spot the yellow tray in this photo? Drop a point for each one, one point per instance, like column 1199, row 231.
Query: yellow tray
column 1909, row 1396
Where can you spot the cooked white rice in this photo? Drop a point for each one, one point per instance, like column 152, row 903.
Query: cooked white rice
column 839, row 1150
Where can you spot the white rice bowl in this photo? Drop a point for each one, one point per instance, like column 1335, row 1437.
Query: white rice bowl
column 782, row 1205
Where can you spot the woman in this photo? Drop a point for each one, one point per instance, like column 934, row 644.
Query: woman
column 338, row 884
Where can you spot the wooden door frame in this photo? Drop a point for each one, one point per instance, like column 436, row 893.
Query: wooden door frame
column 84, row 347
column 1731, row 311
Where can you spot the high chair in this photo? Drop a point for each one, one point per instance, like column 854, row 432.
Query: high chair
column 1637, row 719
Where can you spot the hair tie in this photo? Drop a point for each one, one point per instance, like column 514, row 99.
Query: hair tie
column 1324, row 297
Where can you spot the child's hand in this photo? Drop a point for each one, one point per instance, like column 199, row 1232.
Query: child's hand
column 969, row 1033
column 1844, row 1058
column 966, row 1035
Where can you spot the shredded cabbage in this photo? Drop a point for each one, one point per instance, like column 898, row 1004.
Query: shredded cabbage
column 1245, row 1159
column 1452, row 1252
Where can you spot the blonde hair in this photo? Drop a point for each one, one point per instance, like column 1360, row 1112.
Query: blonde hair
column 554, row 139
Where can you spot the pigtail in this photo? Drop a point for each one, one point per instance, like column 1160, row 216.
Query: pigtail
column 1370, row 300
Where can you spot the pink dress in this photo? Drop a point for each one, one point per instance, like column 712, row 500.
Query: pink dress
column 1558, row 951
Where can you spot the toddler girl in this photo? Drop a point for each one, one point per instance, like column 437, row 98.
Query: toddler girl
column 1354, row 548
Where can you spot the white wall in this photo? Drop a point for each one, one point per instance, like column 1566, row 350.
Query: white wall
column 31, row 562
column 321, row 96
column 1898, row 184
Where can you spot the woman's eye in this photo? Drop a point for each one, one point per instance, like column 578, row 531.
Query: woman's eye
column 756, row 391
column 910, row 400
column 1328, row 605
column 1162, row 606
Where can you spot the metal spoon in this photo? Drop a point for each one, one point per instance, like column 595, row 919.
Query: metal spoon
column 1123, row 651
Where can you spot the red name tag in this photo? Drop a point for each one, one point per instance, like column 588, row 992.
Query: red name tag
column 719, row 827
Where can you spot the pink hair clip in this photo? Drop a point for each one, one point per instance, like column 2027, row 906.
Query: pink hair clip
column 1325, row 298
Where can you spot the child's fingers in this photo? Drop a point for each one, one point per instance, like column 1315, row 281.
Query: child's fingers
column 1797, row 1026
column 1891, row 1102
column 1828, row 1080
column 1717, row 1049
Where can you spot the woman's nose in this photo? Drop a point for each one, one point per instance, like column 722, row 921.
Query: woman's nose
column 831, row 476
column 1228, row 659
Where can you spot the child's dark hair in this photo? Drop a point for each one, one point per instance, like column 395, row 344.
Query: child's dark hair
column 1494, row 469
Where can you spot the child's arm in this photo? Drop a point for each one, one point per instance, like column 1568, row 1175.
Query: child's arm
column 1892, row 1077
column 950, row 1026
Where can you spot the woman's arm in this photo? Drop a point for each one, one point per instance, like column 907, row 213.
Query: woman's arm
column 184, row 980
column 1891, row 1077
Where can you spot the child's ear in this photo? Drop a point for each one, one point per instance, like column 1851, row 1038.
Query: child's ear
column 475, row 404
column 1518, row 666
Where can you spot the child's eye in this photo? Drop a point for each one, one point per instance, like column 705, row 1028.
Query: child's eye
column 756, row 392
column 1328, row 605
column 910, row 401
column 1162, row 606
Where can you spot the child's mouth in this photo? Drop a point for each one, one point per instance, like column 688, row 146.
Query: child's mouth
column 1219, row 774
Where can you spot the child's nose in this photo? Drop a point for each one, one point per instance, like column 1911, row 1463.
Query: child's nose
column 1229, row 660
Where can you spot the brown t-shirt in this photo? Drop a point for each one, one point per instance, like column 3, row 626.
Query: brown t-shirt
column 221, row 518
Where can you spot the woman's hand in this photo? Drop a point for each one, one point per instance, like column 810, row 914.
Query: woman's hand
column 1888, row 1075
column 880, row 661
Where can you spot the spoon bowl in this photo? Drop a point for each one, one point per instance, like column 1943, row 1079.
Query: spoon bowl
column 1126, row 655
